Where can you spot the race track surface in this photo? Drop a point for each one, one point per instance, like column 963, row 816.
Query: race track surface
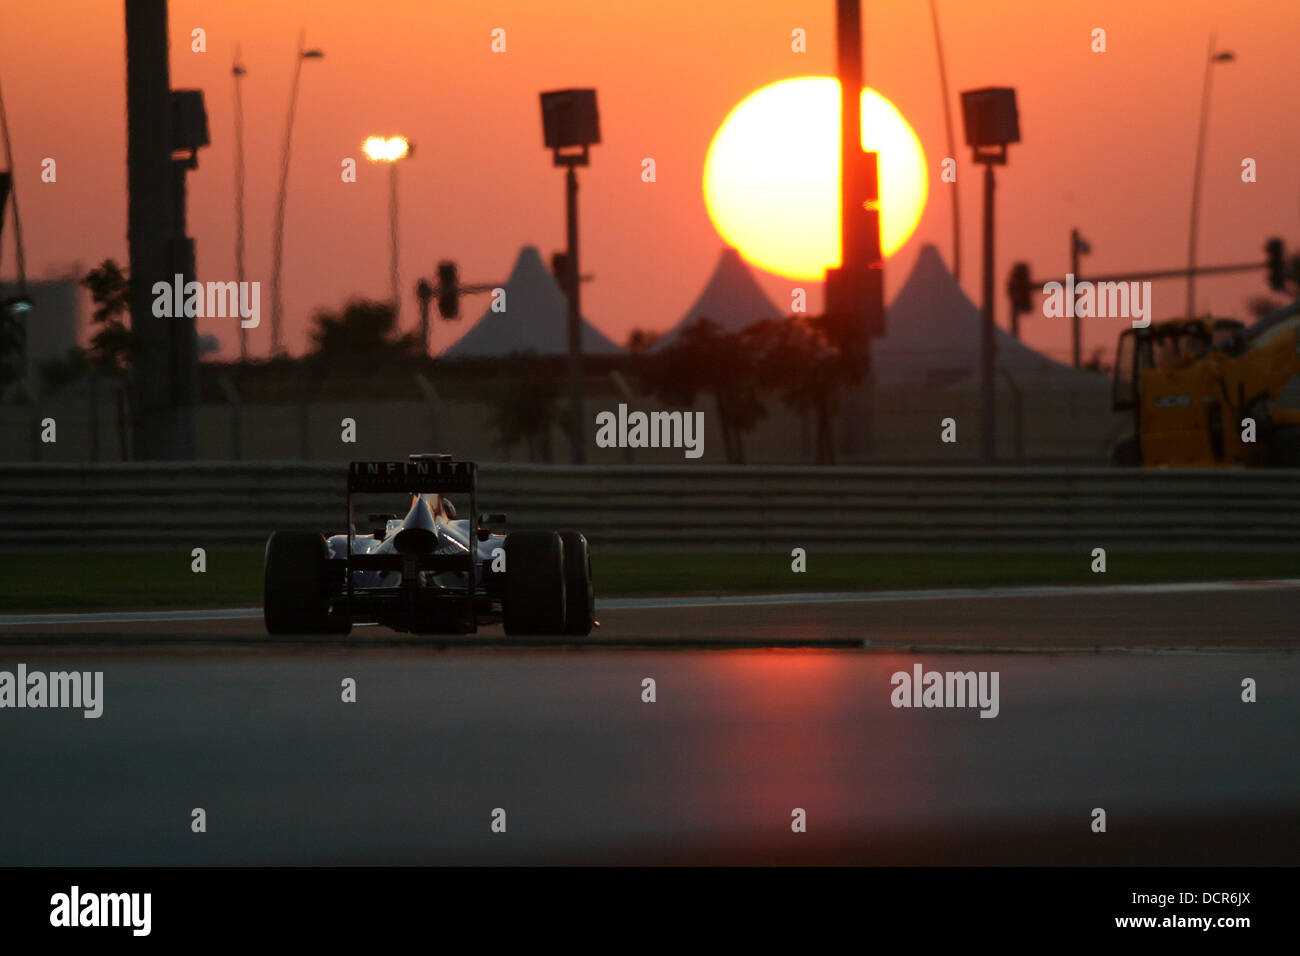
column 1125, row 700
column 1230, row 615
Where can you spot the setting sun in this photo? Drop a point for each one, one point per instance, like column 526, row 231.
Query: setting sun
column 771, row 178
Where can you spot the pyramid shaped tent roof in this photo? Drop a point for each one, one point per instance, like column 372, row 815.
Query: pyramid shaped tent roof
column 932, row 335
column 731, row 298
column 535, row 318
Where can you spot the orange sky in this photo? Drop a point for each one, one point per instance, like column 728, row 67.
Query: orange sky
column 1108, row 138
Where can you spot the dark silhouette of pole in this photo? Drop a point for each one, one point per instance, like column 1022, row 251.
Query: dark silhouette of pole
column 848, row 32
column 423, row 294
column 952, row 142
column 856, row 288
column 162, row 428
column 392, row 222
column 1210, row 59
column 277, row 242
column 992, row 123
column 570, row 120
column 238, row 72
column 1076, row 346
column 11, row 192
column 573, row 285
column 391, row 150
column 988, row 343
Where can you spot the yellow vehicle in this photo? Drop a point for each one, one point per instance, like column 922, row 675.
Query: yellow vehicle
column 1204, row 392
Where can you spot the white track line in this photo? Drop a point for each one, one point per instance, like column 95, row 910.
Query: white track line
column 132, row 617
column 938, row 594
column 735, row 600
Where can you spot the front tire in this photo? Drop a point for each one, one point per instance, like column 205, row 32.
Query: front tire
column 580, row 604
column 534, row 601
column 295, row 597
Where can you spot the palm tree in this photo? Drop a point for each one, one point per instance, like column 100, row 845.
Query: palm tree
column 524, row 407
column 704, row 359
column 810, row 362
column 115, row 345
column 365, row 330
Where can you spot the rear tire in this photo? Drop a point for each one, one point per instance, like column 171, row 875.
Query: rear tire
column 534, row 600
column 580, row 604
column 295, row 598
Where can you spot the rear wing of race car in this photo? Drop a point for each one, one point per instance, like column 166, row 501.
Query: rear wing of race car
column 417, row 477
column 421, row 475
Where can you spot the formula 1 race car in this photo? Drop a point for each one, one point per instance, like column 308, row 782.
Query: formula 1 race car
column 427, row 572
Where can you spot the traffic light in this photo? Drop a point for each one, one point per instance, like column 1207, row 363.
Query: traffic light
column 448, row 290
column 1018, row 287
column 1276, row 264
column 560, row 269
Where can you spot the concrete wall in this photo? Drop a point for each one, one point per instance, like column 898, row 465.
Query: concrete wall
column 679, row 508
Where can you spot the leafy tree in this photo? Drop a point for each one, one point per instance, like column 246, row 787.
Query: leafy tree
column 704, row 359
column 524, row 406
column 366, row 329
column 810, row 362
column 640, row 341
column 114, row 343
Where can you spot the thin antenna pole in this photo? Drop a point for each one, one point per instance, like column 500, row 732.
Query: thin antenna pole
column 13, row 195
column 238, row 71
column 1196, row 180
column 277, row 238
column 952, row 146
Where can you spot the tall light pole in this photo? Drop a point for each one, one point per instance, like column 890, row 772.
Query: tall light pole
column 391, row 150
column 1222, row 56
column 277, row 242
column 570, row 122
column 238, row 72
column 992, row 122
